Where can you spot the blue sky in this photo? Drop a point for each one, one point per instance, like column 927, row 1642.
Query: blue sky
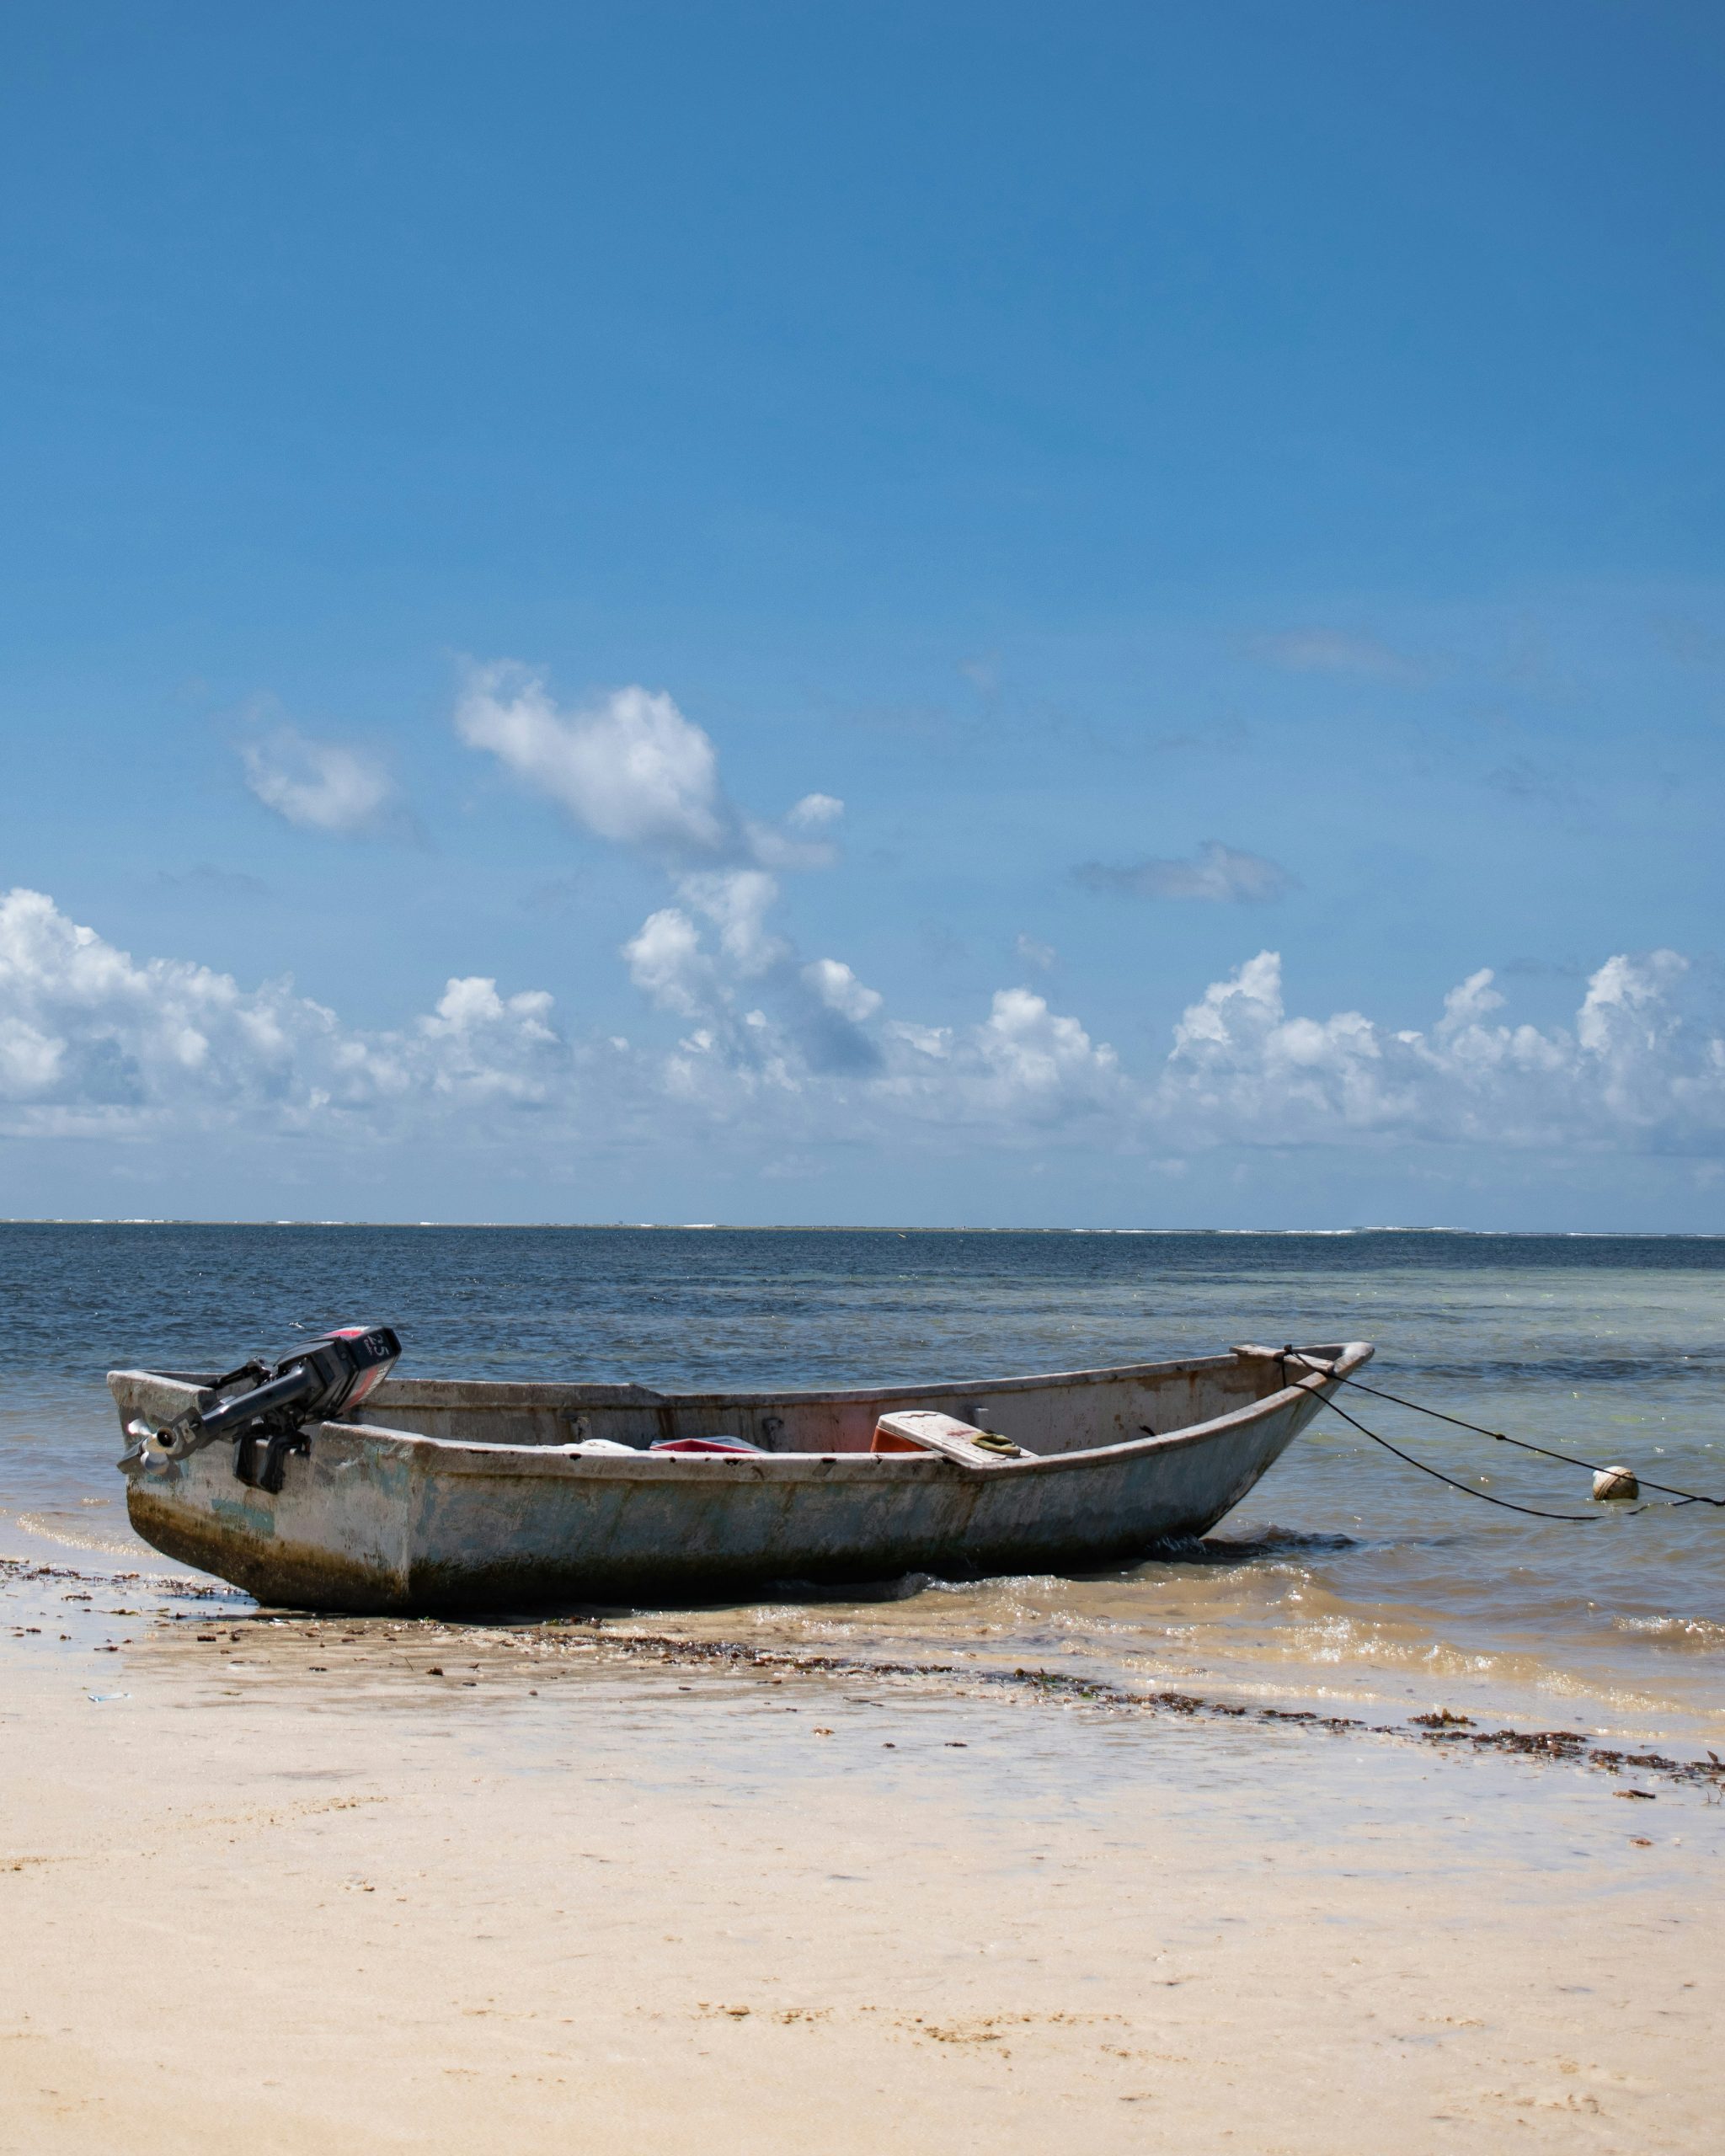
column 1191, row 484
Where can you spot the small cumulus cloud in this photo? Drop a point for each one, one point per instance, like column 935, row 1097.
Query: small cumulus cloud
column 318, row 785
column 1043, row 956
column 1224, row 875
column 1333, row 651
column 485, row 1045
column 737, row 902
column 667, row 963
column 839, row 989
column 630, row 766
column 1038, row 1060
column 700, row 959
column 786, row 846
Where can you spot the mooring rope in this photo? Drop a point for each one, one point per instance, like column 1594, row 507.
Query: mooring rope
column 1325, row 1369
column 1575, row 1519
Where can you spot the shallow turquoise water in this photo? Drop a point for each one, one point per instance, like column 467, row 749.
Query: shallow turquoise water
column 1345, row 1577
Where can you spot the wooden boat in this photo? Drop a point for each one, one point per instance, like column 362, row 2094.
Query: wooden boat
column 453, row 1495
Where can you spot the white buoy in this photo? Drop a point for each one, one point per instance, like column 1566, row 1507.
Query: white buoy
column 1613, row 1482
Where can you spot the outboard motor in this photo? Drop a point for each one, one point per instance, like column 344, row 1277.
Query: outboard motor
column 266, row 1418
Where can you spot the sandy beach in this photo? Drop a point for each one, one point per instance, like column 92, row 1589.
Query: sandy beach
column 292, row 1884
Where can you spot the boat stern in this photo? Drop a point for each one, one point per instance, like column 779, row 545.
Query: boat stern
column 332, row 1537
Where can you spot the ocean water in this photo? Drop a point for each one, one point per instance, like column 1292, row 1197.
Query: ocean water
column 1346, row 1581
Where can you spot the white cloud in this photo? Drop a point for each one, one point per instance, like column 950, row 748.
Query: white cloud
column 1240, row 1065
column 776, row 847
column 840, row 989
column 737, row 901
column 1025, row 1069
column 319, row 785
column 486, row 1045
column 818, row 1008
column 630, row 766
column 791, row 1052
column 1221, row 874
column 1035, row 1059
column 93, row 1040
column 1645, row 1064
column 1472, row 1001
column 667, row 963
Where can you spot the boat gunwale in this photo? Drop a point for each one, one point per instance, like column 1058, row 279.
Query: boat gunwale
column 539, row 1392
column 448, row 1454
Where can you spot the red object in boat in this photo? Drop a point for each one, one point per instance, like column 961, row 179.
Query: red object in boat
column 703, row 1444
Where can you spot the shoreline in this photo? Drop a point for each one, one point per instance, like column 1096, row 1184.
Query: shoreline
column 1441, row 1727
column 532, row 1638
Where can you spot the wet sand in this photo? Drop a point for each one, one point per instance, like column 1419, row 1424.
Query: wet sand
column 276, row 1884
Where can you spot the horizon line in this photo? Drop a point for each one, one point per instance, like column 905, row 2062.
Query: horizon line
column 841, row 1227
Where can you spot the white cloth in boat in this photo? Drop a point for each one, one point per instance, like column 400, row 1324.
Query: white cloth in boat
column 908, row 1431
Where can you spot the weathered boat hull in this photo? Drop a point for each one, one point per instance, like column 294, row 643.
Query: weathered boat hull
column 418, row 1512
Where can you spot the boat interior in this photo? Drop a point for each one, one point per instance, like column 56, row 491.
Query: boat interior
column 1069, row 1411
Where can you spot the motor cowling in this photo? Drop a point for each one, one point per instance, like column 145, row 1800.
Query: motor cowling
column 314, row 1384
